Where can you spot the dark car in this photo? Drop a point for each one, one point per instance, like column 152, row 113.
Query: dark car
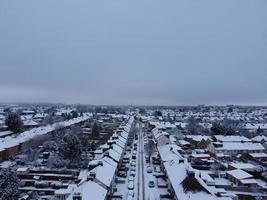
column 151, row 184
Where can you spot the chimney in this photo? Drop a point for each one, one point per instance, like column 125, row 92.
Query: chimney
column 91, row 176
column 100, row 163
column 191, row 174
column 106, row 154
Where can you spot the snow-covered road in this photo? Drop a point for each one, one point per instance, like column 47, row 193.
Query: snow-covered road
column 141, row 177
column 140, row 172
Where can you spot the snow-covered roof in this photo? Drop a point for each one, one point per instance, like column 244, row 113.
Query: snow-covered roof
column 256, row 125
column 176, row 180
column 231, row 138
column 258, row 155
column 90, row 190
column 114, row 155
column 239, row 174
column 183, row 142
column 259, row 138
column 5, row 133
column 198, row 138
column 169, row 152
column 163, row 125
column 105, row 173
column 244, row 166
column 30, row 122
column 200, row 155
column 240, row 146
column 248, row 181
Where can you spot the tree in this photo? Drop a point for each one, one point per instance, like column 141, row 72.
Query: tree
column 75, row 114
column 227, row 127
column 192, row 126
column 76, row 130
column 14, row 122
column 49, row 119
column 70, row 147
column 8, row 185
column 157, row 113
column 142, row 111
column 215, row 168
column 96, row 129
column 50, row 145
column 55, row 161
column 98, row 109
column 150, row 148
column 216, row 128
column 32, row 154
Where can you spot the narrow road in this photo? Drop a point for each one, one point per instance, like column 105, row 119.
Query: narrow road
column 141, row 173
column 139, row 166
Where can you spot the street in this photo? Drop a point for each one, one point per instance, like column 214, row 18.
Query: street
column 142, row 178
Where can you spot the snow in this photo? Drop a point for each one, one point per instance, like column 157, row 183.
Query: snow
column 239, row 174
column 5, row 133
column 114, row 155
column 244, row 166
column 248, row 181
column 259, row 138
column 90, row 190
column 30, row 122
column 176, row 179
column 169, row 152
column 258, row 155
column 241, row 146
column 198, row 138
column 231, row 138
column 9, row 142
column 200, row 155
column 256, row 125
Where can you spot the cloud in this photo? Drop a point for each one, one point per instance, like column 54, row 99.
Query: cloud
column 133, row 52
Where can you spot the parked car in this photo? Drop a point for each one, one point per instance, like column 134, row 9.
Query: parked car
column 130, row 185
column 129, row 198
column 149, row 169
column 122, row 174
column 131, row 193
column 131, row 178
column 151, row 184
column 133, row 163
column 132, row 173
column 157, row 169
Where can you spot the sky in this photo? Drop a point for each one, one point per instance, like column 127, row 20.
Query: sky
column 149, row 52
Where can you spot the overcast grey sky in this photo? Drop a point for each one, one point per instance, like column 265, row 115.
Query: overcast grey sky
column 134, row 51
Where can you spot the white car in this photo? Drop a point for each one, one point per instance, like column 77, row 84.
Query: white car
column 130, row 185
column 157, row 169
column 149, row 169
column 131, row 193
column 132, row 173
column 129, row 198
column 133, row 163
column 131, row 178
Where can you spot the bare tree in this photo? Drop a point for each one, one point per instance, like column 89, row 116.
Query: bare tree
column 70, row 148
column 227, row 127
column 150, row 148
column 14, row 122
column 192, row 126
